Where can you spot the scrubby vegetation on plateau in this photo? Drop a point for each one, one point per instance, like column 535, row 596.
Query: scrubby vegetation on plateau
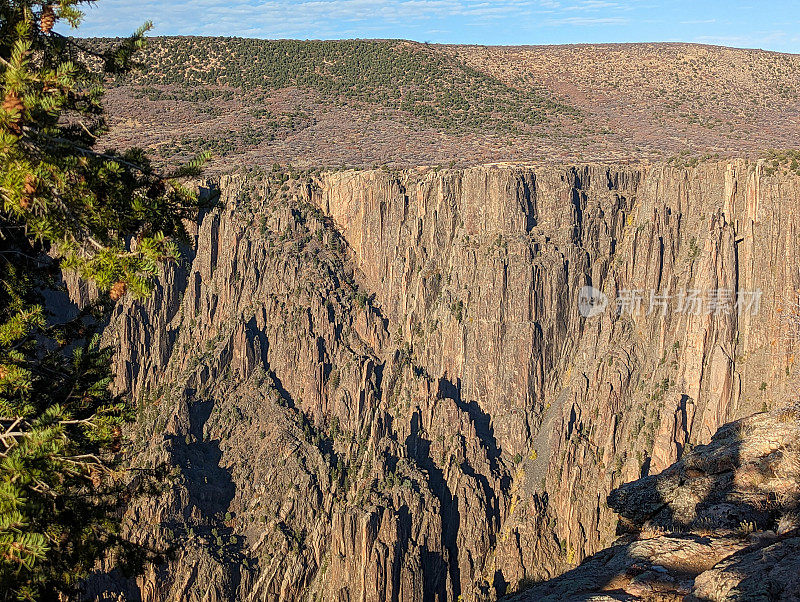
column 434, row 87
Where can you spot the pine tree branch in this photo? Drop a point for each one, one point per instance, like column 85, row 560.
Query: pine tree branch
column 72, row 42
column 19, row 253
column 90, row 153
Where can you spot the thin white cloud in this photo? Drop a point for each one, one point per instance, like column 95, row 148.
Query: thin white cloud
column 588, row 21
column 756, row 39
column 321, row 18
column 592, row 5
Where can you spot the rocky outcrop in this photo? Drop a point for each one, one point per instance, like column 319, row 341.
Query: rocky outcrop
column 380, row 385
column 721, row 524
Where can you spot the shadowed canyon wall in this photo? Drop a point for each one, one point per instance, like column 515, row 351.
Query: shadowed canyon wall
column 379, row 386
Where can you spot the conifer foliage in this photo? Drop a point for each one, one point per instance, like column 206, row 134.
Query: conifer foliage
column 66, row 203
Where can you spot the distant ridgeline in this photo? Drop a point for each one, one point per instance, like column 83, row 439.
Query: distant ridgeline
column 416, row 79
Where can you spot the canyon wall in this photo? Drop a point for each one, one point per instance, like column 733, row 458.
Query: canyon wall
column 380, row 385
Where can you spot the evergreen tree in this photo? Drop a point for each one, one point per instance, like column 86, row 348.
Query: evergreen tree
column 65, row 203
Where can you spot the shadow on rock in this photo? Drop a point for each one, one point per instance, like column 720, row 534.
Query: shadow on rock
column 720, row 524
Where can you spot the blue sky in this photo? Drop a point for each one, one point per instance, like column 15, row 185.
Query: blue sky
column 772, row 25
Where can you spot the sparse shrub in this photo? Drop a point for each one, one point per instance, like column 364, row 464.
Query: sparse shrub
column 746, row 528
column 694, row 249
column 457, row 310
column 361, row 299
column 788, row 522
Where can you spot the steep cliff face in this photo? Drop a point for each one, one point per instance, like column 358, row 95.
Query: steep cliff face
column 720, row 524
column 380, row 386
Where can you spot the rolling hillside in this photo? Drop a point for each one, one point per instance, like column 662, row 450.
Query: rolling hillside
column 360, row 103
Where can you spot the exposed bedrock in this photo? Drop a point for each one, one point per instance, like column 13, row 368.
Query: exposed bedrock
column 379, row 386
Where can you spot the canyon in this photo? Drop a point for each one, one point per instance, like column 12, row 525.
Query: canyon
column 383, row 384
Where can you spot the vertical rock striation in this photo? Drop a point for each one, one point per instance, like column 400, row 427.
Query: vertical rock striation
column 379, row 386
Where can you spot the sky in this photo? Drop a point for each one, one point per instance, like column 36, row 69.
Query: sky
column 770, row 25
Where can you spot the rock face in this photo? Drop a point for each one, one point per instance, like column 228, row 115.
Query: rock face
column 380, row 385
column 720, row 524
